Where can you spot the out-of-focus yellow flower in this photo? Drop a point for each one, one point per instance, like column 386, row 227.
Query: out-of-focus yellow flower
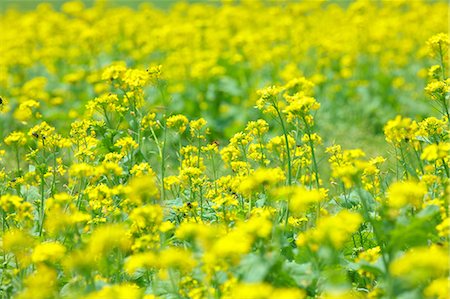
column 303, row 198
column 41, row 284
column 18, row 138
column 141, row 260
column 264, row 291
column 24, row 112
column 403, row 193
column 332, row 230
column 370, row 255
column 142, row 189
column 262, row 177
column 48, row 252
column 443, row 228
column 418, row 265
column 438, row 288
column 107, row 238
column 15, row 208
column 434, row 151
column 129, row 291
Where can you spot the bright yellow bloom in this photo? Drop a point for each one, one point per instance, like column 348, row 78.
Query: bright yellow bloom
column 48, row 252
column 129, row 291
column 179, row 122
column 15, row 138
column 405, row 193
column 438, row 288
column 400, row 129
column 437, row 89
column 434, row 151
column 126, row 144
column 41, row 284
column 418, row 265
column 142, row 189
column 303, row 198
column 332, row 230
column 141, row 260
column 262, row 177
column 439, row 44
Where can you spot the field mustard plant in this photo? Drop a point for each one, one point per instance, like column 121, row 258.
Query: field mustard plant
column 225, row 150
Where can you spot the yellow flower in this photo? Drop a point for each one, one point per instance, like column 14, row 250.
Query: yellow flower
column 148, row 121
column 262, row 290
column 129, row 291
column 434, row 151
column 41, row 131
column 444, row 228
column 114, row 71
column 262, row 177
column 333, row 229
column 106, row 103
column 48, row 252
column 418, row 265
column 154, row 72
column 40, row 284
column 437, row 89
column 251, row 291
column 438, row 44
column 16, row 138
column 146, row 218
column 126, row 144
column 196, row 126
column 179, row 122
column 176, row 258
column 303, row 198
column 299, row 106
column 145, row 260
column 438, row 288
column 432, row 127
column 370, row 255
column 257, row 128
column 267, row 98
column 142, row 189
column 400, row 129
column 405, row 193
column 16, row 208
column 24, row 112
column 133, row 78
column 4, row 107
column 106, row 239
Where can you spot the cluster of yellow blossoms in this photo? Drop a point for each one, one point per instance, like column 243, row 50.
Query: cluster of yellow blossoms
column 120, row 181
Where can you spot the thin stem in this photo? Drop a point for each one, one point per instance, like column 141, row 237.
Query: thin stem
column 444, row 102
column 288, row 151
column 41, row 206
column 313, row 155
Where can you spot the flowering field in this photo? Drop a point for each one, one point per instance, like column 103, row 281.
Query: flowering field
column 225, row 150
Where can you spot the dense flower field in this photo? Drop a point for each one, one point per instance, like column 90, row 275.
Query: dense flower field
column 191, row 152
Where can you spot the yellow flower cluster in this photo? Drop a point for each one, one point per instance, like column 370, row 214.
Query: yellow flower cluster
column 123, row 179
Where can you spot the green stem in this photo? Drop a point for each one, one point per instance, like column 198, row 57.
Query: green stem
column 288, row 151
column 447, row 171
column 313, row 155
column 160, row 151
column 163, row 163
column 41, row 207
column 444, row 102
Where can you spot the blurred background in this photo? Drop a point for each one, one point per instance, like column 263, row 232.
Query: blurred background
column 368, row 59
